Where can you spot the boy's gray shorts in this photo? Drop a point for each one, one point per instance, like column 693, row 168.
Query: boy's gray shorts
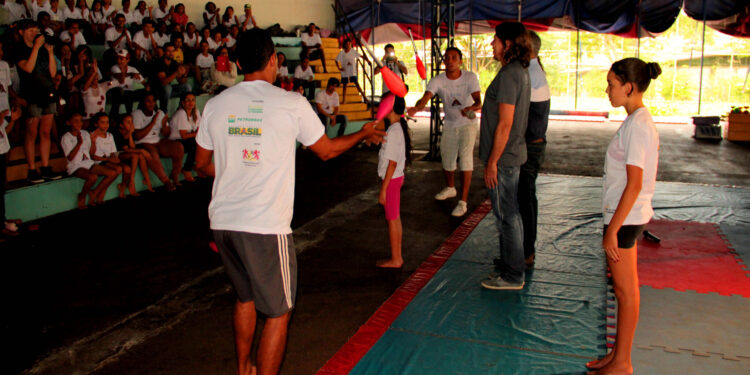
column 262, row 267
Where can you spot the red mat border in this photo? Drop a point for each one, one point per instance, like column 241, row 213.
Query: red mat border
column 368, row 334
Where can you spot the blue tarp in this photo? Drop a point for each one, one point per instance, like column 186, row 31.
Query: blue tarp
column 601, row 16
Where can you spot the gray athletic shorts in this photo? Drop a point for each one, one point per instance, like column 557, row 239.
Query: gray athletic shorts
column 262, row 267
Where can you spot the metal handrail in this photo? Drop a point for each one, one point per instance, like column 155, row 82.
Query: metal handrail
column 345, row 29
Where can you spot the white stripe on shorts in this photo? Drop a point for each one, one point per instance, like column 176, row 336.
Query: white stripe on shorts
column 284, row 260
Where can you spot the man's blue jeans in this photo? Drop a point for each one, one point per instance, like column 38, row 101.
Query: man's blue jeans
column 504, row 199
column 172, row 91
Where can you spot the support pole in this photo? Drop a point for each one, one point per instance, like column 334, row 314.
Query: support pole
column 578, row 55
column 703, row 46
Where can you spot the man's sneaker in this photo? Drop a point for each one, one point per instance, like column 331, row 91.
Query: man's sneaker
column 34, row 177
column 447, row 192
column 498, row 283
column 460, row 209
column 48, row 175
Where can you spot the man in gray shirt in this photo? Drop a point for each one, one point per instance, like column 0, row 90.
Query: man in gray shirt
column 502, row 148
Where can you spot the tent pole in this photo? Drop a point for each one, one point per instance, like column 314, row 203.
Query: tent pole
column 578, row 55
column 519, row 10
column 703, row 45
column 471, row 35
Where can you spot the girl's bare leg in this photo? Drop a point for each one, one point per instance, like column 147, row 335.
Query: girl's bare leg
column 155, row 164
column 90, row 180
column 143, row 159
column 175, row 151
column 394, row 235
column 110, row 174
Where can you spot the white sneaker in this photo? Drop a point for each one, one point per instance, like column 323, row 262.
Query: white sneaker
column 460, row 209
column 447, row 192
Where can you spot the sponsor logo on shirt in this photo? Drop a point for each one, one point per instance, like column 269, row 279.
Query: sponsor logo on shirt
column 231, row 119
column 254, row 109
column 245, row 132
column 251, row 157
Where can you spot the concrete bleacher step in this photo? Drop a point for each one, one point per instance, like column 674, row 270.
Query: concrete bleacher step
column 352, row 107
column 17, row 168
column 330, row 43
column 323, row 77
column 358, row 115
column 331, row 68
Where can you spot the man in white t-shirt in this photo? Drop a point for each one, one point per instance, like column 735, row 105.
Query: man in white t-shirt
column 327, row 104
column 126, row 93
column 247, row 21
column 144, row 42
column 250, row 131
column 459, row 90
column 311, row 45
column 118, row 37
column 17, row 9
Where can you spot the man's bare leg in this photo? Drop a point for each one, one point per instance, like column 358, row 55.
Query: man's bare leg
column 272, row 345
column 244, row 330
column 450, row 180
column 465, row 184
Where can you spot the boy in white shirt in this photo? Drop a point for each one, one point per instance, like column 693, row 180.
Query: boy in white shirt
column 76, row 145
column 127, row 12
column 127, row 77
column 346, row 61
column 311, row 45
column 73, row 36
column 118, row 37
column 460, row 93
column 247, row 21
column 303, row 74
column 144, row 42
column 327, row 104
column 203, row 64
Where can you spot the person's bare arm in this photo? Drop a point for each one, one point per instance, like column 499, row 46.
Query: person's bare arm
column 421, row 103
column 165, row 130
column 204, row 161
column 29, row 64
column 502, row 133
column 477, row 103
column 139, row 134
column 326, row 148
column 52, row 64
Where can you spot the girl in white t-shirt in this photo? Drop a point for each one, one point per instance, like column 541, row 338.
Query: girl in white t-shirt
column 76, row 145
column 183, row 128
column 104, row 152
column 137, row 157
column 10, row 227
column 228, row 19
column 394, row 154
column 151, row 132
column 94, row 94
column 211, row 15
column 203, row 64
column 629, row 179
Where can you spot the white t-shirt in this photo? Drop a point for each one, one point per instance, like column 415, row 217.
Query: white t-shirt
column 56, row 16
column 140, row 121
column 17, row 11
column 129, row 16
column 111, row 35
column 252, row 128
column 636, row 143
column 456, row 95
column 212, row 44
column 204, row 62
column 303, row 74
column 36, row 9
column 4, row 143
column 228, row 24
column 327, row 102
column 394, row 148
column 74, row 14
column 95, row 98
column 283, row 71
column 213, row 21
column 348, row 62
column 105, row 146
column 65, row 37
column 181, row 121
column 5, row 85
column 159, row 14
column 108, row 11
column 311, row 40
column 143, row 41
column 538, row 81
column 230, row 41
column 188, row 41
column 138, row 17
column 242, row 19
column 97, row 18
column 395, row 69
column 161, row 40
column 82, row 158
column 129, row 81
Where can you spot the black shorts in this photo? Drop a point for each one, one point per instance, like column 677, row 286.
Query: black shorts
column 315, row 55
column 345, row 80
column 262, row 267
column 627, row 235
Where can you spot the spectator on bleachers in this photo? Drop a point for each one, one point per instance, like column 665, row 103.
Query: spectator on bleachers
column 118, row 37
column 76, row 145
column 311, row 45
column 167, row 70
column 126, row 92
column 179, row 17
column 72, row 35
column 36, row 69
column 247, row 21
column 211, row 15
column 223, row 71
column 104, row 153
column 144, row 42
column 282, row 74
column 150, row 126
column 346, row 61
column 179, row 51
column 228, row 19
column 231, row 39
column 216, row 40
column 17, row 10
column 162, row 13
column 109, row 11
column 303, row 74
column 94, row 94
column 205, row 34
column 140, row 13
column 56, row 14
column 161, row 36
column 138, row 157
column 128, row 13
column 190, row 37
column 203, row 63
column 97, row 20
column 71, row 11
column 298, row 88
column 327, row 106
column 8, row 120
column 45, row 24
column 38, row 6
column 6, row 83
column 183, row 128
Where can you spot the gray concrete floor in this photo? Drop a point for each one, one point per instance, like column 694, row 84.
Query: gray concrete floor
column 178, row 317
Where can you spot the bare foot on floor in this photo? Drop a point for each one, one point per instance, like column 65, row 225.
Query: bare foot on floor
column 188, row 176
column 92, row 199
column 614, row 369
column 121, row 190
column 148, row 186
column 601, row 362
column 389, row 263
column 81, row 201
